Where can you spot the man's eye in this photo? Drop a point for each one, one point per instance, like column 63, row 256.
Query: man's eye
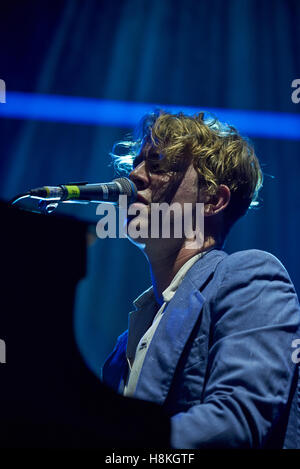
column 154, row 157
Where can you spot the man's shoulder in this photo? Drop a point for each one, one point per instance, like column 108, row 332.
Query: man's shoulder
column 250, row 264
column 238, row 267
column 218, row 267
column 254, row 258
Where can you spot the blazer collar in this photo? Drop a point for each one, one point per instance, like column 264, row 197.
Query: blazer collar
column 174, row 330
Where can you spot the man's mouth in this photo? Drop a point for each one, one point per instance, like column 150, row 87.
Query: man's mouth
column 141, row 204
column 141, row 199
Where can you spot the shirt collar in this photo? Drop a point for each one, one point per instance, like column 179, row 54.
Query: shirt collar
column 144, row 298
column 146, row 307
column 147, row 297
column 170, row 291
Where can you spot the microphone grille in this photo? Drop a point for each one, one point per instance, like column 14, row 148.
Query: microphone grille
column 128, row 188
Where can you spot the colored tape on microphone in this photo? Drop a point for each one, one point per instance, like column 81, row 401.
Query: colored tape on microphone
column 73, row 192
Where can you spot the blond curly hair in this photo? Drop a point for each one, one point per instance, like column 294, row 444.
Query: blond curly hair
column 219, row 154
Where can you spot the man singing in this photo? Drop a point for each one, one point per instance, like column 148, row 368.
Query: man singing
column 211, row 339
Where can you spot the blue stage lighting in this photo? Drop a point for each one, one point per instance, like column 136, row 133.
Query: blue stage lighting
column 90, row 111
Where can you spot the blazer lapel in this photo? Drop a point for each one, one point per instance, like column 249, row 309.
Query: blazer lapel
column 174, row 330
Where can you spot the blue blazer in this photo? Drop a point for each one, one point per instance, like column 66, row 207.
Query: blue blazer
column 220, row 362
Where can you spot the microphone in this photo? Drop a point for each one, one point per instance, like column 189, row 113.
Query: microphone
column 81, row 191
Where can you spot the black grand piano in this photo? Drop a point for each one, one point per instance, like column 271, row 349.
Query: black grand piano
column 48, row 397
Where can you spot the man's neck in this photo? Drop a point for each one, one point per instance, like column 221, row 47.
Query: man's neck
column 165, row 265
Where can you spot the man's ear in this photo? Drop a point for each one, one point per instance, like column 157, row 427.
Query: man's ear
column 221, row 199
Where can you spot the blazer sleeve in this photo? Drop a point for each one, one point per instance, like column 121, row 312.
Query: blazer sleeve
column 254, row 319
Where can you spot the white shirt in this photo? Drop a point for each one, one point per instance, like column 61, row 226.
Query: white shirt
column 142, row 325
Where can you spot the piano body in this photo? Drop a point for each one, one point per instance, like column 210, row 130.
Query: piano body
column 48, row 396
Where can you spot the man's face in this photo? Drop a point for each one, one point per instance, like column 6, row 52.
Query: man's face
column 158, row 187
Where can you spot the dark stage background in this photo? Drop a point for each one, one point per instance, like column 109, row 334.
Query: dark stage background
column 234, row 54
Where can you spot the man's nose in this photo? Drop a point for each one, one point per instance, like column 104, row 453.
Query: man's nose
column 140, row 176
